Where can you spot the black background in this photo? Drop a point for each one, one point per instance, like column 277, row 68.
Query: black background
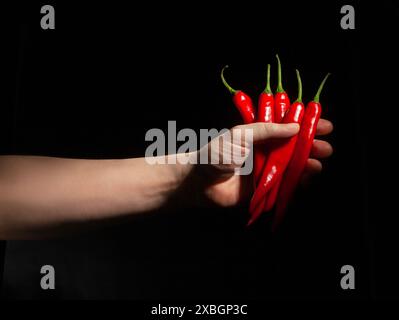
column 109, row 72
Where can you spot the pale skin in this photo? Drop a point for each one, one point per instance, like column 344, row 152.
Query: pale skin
column 43, row 197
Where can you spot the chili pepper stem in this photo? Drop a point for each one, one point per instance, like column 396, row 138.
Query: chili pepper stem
column 279, row 80
column 267, row 89
column 317, row 96
column 298, row 76
column 231, row 90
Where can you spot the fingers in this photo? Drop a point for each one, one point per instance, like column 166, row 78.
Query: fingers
column 324, row 127
column 321, row 149
column 312, row 168
column 264, row 131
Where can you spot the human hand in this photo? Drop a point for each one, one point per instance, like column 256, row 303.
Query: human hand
column 219, row 185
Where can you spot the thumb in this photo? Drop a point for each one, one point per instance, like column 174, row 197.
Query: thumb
column 264, row 131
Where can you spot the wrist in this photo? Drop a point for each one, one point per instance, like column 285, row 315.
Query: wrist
column 184, row 188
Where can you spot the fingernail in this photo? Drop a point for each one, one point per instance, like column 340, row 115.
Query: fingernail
column 293, row 127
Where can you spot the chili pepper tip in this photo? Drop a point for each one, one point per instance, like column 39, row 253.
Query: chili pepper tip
column 251, row 221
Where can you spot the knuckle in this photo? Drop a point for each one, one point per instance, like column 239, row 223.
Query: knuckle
column 268, row 129
column 236, row 127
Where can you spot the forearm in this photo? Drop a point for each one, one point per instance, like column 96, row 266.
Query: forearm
column 40, row 195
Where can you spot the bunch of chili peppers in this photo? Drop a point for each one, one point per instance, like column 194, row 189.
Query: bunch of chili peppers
column 278, row 166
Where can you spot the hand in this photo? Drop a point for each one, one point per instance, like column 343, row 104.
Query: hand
column 220, row 186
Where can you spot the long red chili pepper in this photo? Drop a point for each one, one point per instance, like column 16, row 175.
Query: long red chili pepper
column 276, row 164
column 241, row 100
column 282, row 105
column 265, row 114
column 301, row 154
column 266, row 101
column 281, row 99
column 272, row 196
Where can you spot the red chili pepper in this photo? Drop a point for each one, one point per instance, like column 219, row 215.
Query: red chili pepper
column 266, row 101
column 265, row 114
column 301, row 154
column 241, row 100
column 281, row 106
column 272, row 196
column 276, row 164
column 281, row 99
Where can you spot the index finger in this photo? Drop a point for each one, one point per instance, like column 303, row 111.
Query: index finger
column 324, row 127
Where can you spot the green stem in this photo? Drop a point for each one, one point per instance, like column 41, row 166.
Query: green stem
column 279, row 81
column 317, row 96
column 298, row 76
column 231, row 90
column 267, row 89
